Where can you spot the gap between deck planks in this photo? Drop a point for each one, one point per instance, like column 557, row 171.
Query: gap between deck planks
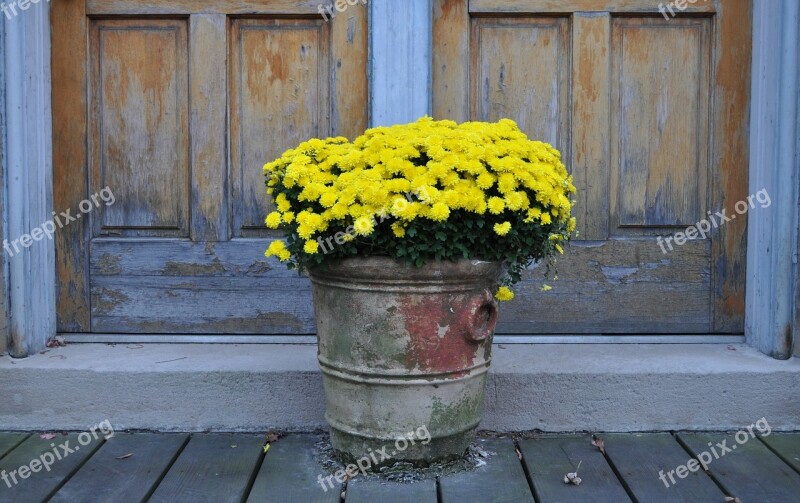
column 223, row 467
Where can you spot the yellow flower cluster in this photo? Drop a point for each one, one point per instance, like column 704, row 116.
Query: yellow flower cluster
column 423, row 171
column 374, row 175
column 278, row 249
column 504, row 294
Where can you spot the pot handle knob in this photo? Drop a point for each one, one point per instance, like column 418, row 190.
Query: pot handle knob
column 483, row 319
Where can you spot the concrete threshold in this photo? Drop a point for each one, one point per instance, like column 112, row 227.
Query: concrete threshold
column 554, row 388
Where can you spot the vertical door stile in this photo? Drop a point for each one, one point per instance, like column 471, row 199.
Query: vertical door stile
column 208, row 51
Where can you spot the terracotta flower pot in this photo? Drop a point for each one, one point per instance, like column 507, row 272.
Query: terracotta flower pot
column 404, row 353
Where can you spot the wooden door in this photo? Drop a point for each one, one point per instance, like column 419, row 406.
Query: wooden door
column 650, row 112
column 175, row 106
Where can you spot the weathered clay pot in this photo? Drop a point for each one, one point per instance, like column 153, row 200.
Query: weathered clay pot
column 404, row 350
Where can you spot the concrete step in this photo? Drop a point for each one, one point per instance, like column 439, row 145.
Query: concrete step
column 250, row 387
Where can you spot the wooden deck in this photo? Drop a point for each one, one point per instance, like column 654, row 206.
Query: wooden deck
column 217, row 467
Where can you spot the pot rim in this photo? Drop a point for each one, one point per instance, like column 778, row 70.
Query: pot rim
column 375, row 268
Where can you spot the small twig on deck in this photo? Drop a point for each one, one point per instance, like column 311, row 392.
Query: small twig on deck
column 175, row 360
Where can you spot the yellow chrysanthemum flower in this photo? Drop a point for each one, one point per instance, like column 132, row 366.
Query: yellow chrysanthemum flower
column 515, row 201
column 278, row 249
column 504, row 294
column 572, row 224
column 496, row 205
column 506, row 183
column 439, row 212
column 364, row 226
column 398, row 230
column 311, row 247
column 485, row 181
column 502, row 229
column 282, row 203
column 327, row 199
column 273, row 220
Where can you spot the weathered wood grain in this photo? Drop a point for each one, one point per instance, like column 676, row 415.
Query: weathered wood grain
column 786, row 445
column 639, row 458
column 229, row 306
column 616, row 286
column 550, row 459
column 400, row 64
column 127, row 467
column 450, row 74
column 4, row 304
column 70, row 162
column 224, row 467
column 4, row 272
column 642, row 137
column 162, row 79
column 139, row 134
column 730, row 104
column 279, row 97
column 591, row 66
column 230, row 7
column 214, row 468
column 176, row 258
column 507, row 58
column 563, row 7
column 240, row 291
column 8, row 441
column 659, row 122
column 750, row 471
column 208, row 98
column 290, row 472
column 501, row 480
column 349, row 48
column 43, row 483
column 370, row 491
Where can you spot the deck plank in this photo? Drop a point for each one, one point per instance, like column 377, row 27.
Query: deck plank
column 640, row 458
column 787, row 445
column 40, row 485
column 10, row 440
column 290, row 472
column 213, row 468
column 110, row 476
column 749, row 471
column 501, row 480
column 550, row 459
column 372, row 491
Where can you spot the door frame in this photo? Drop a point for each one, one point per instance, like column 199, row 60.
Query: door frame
column 29, row 276
column 773, row 284
column 32, row 279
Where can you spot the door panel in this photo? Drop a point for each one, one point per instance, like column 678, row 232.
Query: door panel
column 508, row 60
column 279, row 95
column 182, row 287
column 659, row 133
column 650, row 115
column 140, row 139
column 180, row 104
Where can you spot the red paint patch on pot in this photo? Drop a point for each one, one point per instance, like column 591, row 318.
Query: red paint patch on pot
column 438, row 326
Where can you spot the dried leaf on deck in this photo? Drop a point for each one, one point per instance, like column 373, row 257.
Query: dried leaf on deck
column 572, row 477
column 598, row 442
